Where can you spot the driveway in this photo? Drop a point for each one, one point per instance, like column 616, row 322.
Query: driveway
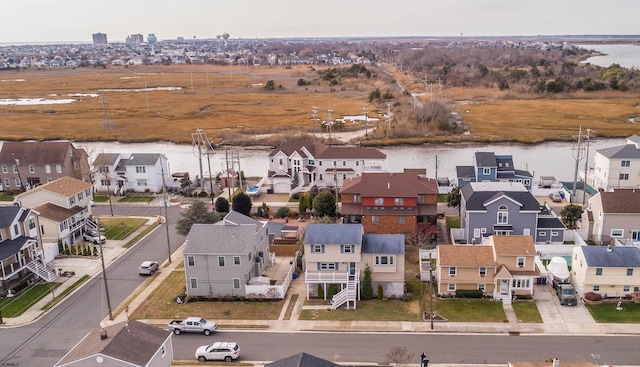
column 560, row 319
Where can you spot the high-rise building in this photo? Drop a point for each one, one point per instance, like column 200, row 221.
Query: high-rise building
column 135, row 38
column 99, row 38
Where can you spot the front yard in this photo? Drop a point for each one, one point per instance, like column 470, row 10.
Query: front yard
column 607, row 312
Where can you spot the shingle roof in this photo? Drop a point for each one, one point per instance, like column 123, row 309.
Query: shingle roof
column 9, row 248
column 621, row 151
column 66, row 186
column 465, row 171
column 523, row 173
column 106, row 159
column 322, row 151
column 136, row 344
column 318, row 233
column 291, row 146
column 8, row 214
column 301, row 360
column 465, row 255
column 383, row 244
column 476, row 194
column 486, row 159
column 57, row 213
column 618, row 257
column 219, row 238
column 139, row 159
column 550, row 223
column 390, row 184
column 620, row 201
column 514, row 245
column 35, row 152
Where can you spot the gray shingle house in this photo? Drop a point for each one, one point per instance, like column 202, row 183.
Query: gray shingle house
column 220, row 259
column 505, row 208
column 489, row 167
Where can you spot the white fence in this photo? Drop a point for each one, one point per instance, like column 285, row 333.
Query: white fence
column 276, row 291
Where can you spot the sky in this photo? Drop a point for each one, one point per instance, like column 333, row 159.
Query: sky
column 27, row 21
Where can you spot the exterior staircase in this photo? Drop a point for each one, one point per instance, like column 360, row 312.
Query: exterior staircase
column 348, row 295
column 43, row 270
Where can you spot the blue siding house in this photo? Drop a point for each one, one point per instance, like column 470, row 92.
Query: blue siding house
column 489, row 167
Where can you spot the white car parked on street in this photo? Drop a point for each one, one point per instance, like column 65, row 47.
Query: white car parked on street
column 148, row 268
column 219, row 351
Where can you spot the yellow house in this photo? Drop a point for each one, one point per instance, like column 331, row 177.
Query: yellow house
column 611, row 271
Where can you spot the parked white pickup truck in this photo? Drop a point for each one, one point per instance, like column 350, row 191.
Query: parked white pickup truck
column 192, row 324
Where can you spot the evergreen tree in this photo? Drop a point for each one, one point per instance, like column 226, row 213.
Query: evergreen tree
column 324, row 205
column 197, row 213
column 241, row 203
column 222, row 205
column 367, row 287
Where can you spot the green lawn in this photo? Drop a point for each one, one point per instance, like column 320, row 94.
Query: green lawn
column 469, row 310
column 120, row 228
column 137, row 199
column 64, row 293
column 100, row 198
column 607, row 313
column 527, row 311
column 5, row 197
column 442, row 198
column 453, row 222
column 13, row 307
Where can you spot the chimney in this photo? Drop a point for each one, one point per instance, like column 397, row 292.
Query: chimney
column 103, row 334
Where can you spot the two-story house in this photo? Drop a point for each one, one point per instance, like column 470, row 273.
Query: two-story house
column 490, row 167
column 614, row 216
column 503, row 268
column 611, row 271
column 339, row 253
column 221, row 258
column 138, row 172
column 404, row 202
column 65, row 211
column 505, row 208
column 21, row 256
column 128, row 343
column 305, row 165
column 24, row 165
column 619, row 166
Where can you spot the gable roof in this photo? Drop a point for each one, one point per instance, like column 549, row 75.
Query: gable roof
column 35, row 152
column 383, row 244
column 620, row 151
column 131, row 341
column 477, row 194
column 219, row 238
column 465, row 255
column 139, row 159
column 301, row 360
column 465, row 172
column 57, row 213
column 106, row 159
column 618, row 257
column 486, row 159
column 8, row 214
column 319, row 233
column 405, row 184
column 291, row 146
column 322, row 151
column 513, row 245
column 9, row 248
column 620, row 201
column 550, row 223
column 65, row 186
column 237, row 218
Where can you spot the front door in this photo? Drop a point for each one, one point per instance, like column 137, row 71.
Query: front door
column 504, row 286
column 352, row 269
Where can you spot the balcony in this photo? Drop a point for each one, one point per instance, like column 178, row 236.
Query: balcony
column 332, row 277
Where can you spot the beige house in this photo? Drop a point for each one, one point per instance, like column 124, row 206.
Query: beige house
column 65, row 211
column 504, row 268
column 614, row 216
column 337, row 254
column 611, row 271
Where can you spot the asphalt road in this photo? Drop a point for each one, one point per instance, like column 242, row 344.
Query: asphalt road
column 45, row 341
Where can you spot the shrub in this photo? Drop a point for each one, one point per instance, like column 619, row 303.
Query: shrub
column 593, row 296
column 332, row 290
column 283, row 212
column 469, row 293
column 320, row 291
column 380, row 291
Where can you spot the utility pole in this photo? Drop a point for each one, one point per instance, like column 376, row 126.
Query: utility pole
column 436, row 167
column 226, row 155
column 197, row 140
column 314, row 121
column 200, row 139
column 366, row 120
column 165, row 205
column 109, row 193
column 104, row 271
column 388, row 117
column 430, row 292
column 586, row 167
column 329, row 122
column 578, row 157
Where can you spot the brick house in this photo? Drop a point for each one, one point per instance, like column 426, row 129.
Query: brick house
column 29, row 164
column 404, row 202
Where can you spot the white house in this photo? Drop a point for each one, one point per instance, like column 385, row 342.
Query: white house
column 138, row 172
column 305, row 165
column 619, row 166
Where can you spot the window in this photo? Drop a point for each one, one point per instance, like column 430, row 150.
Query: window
column 378, row 201
column 15, row 168
column 617, row 232
column 486, row 171
column 7, row 182
column 236, row 283
column 554, row 234
column 141, row 182
column 402, row 219
column 625, row 163
column 327, row 266
column 399, row 201
column 141, row 169
column 80, row 196
column 527, row 182
column 320, row 177
column 4, row 168
column 193, row 283
column 596, row 288
column 104, row 182
column 598, row 271
column 58, row 168
column 626, row 288
column 191, row 261
column 356, row 198
column 32, row 168
column 543, row 233
column 72, row 200
column 236, row 260
column 630, row 272
column 520, row 262
column 422, row 199
column 344, row 163
column 476, row 232
column 623, row 177
column 483, row 271
column 452, row 271
column 503, row 217
column 319, row 163
column 375, row 219
column 317, row 249
column 32, row 223
column 482, row 287
column 16, row 230
column 451, row 287
column 17, row 182
column 346, row 249
column 221, row 261
column 335, row 163
column 357, row 163
column 384, row 260
column 103, row 169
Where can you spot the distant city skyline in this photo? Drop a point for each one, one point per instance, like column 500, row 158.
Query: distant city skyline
column 42, row 21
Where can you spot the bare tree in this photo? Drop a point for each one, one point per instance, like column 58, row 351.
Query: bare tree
column 399, row 356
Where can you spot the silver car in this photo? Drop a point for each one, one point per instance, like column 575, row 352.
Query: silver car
column 148, row 268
